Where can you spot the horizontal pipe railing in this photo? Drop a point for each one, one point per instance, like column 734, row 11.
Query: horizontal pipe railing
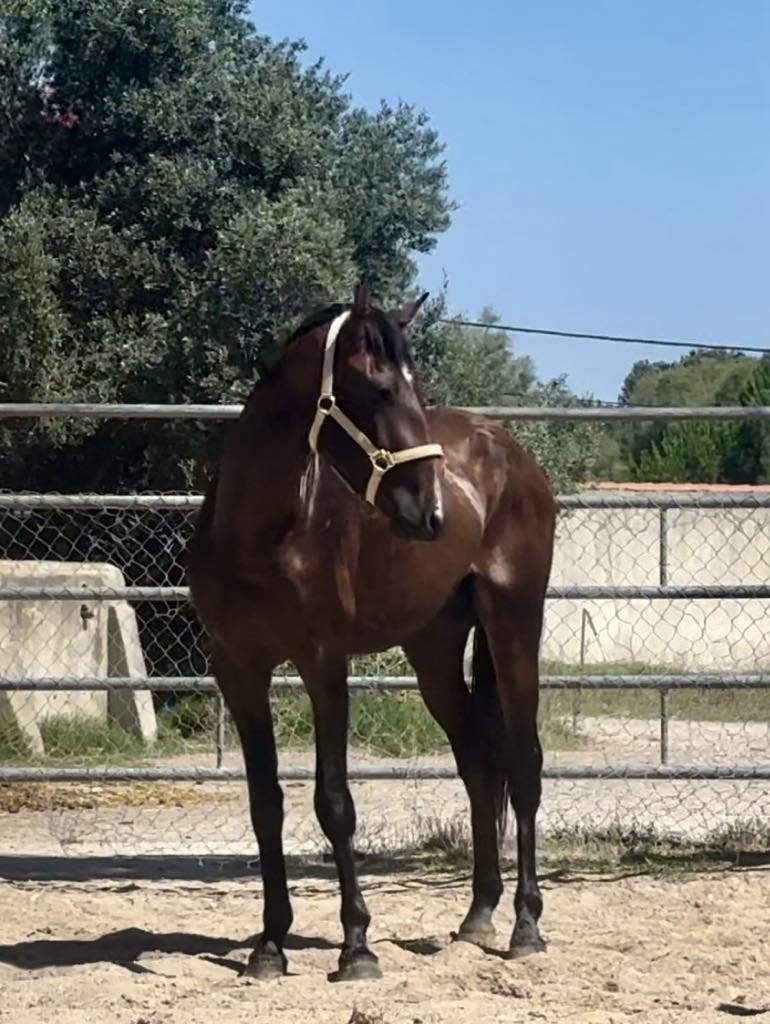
column 661, row 501
column 191, row 411
column 97, row 502
column 600, row 592
column 89, row 593
column 737, row 773
column 207, row 684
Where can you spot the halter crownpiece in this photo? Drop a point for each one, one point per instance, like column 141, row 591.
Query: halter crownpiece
column 381, row 459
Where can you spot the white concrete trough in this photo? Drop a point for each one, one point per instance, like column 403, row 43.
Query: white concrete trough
column 74, row 639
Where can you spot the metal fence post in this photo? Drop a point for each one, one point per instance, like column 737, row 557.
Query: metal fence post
column 220, row 731
column 663, row 580
column 664, row 715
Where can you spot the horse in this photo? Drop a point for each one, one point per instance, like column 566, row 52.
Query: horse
column 346, row 517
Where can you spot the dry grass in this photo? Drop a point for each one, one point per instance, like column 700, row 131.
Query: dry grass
column 71, row 796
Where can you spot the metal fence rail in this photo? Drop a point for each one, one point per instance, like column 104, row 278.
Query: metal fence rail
column 656, row 722
column 383, row 773
column 552, row 414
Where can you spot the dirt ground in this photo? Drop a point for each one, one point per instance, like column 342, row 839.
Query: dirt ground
column 85, row 942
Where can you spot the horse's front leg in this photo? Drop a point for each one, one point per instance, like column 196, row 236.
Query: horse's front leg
column 246, row 694
column 326, row 682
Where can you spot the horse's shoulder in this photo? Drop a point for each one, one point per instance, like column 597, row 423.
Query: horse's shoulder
column 488, row 453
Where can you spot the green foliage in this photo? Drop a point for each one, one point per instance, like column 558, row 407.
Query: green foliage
column 569, row 452
column 720, row 451
column 703, row 377
column 748, row 461
column 176, row 191
column 707, row 452
column 390, row 724
column 84, row 739
column 191, row 715
column 465, row 365
column 13, row 743
column 688, row 452
column 80, row 736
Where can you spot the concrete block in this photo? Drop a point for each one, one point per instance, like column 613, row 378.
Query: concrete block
column 70, row 638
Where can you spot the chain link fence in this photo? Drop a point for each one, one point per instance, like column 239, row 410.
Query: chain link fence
column 654, row 715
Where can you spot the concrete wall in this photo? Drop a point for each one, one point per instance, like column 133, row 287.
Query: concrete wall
column 51, row 638
column 622, row 546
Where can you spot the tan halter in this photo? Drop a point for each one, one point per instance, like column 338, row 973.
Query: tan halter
column 382, row 459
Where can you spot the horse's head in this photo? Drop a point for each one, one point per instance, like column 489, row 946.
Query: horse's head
column 378, row 440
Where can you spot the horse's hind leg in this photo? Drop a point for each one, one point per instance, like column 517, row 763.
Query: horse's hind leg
column 512, row 623
column 326, row 682
column 436, row 654
column 247, row 696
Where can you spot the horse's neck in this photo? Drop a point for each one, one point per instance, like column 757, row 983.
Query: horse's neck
column 260, row 491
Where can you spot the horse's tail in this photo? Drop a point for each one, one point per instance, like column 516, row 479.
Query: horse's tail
column 489, row 716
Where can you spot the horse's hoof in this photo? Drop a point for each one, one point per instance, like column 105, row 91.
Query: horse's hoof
column 526, row 937
column 363, row 967
column 266, row 962
column 483, row 936
column 525, row 946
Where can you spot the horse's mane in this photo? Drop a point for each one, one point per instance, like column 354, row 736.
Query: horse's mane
column 381, row 330
column 318, row 319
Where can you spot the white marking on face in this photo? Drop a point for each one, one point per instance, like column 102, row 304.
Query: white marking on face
column 406, row 373
column 438, row 497
column 469, row 492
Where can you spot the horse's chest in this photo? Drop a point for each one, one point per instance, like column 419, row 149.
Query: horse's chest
column 337, row 597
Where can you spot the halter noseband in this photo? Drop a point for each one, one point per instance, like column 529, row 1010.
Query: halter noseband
column 381, row 459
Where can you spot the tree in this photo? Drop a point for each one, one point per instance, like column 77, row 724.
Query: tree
column 703, row 377
column 466, row 365
column 748, row 460
column 176, row 191
column 716, row 452
column 688, row 452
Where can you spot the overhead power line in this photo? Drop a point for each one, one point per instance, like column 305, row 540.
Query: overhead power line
column 607, row 337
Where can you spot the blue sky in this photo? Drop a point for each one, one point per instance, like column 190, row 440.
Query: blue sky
column 611, row 160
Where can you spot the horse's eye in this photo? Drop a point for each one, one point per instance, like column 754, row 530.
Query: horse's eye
column 385, row 394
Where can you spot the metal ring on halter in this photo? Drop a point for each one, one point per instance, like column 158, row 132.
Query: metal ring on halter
column 326, row 403
column 382, row 460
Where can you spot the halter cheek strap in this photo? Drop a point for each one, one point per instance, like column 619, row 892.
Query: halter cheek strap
column 381, row 459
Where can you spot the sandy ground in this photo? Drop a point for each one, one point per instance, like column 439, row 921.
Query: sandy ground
column 86, row 938
column 130, row 950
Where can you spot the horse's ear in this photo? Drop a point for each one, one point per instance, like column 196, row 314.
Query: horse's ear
column 362, row 298
column 407, row 313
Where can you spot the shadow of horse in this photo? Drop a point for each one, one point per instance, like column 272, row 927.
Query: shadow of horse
column 126, row 947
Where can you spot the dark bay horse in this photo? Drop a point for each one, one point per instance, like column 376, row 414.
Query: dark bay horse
column 347, row 518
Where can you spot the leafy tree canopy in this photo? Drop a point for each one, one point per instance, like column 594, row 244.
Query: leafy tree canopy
column 705, row 377
column 176, row 191
column 721, row 451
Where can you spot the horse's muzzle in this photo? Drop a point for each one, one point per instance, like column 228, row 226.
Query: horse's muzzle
column 416, row 521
